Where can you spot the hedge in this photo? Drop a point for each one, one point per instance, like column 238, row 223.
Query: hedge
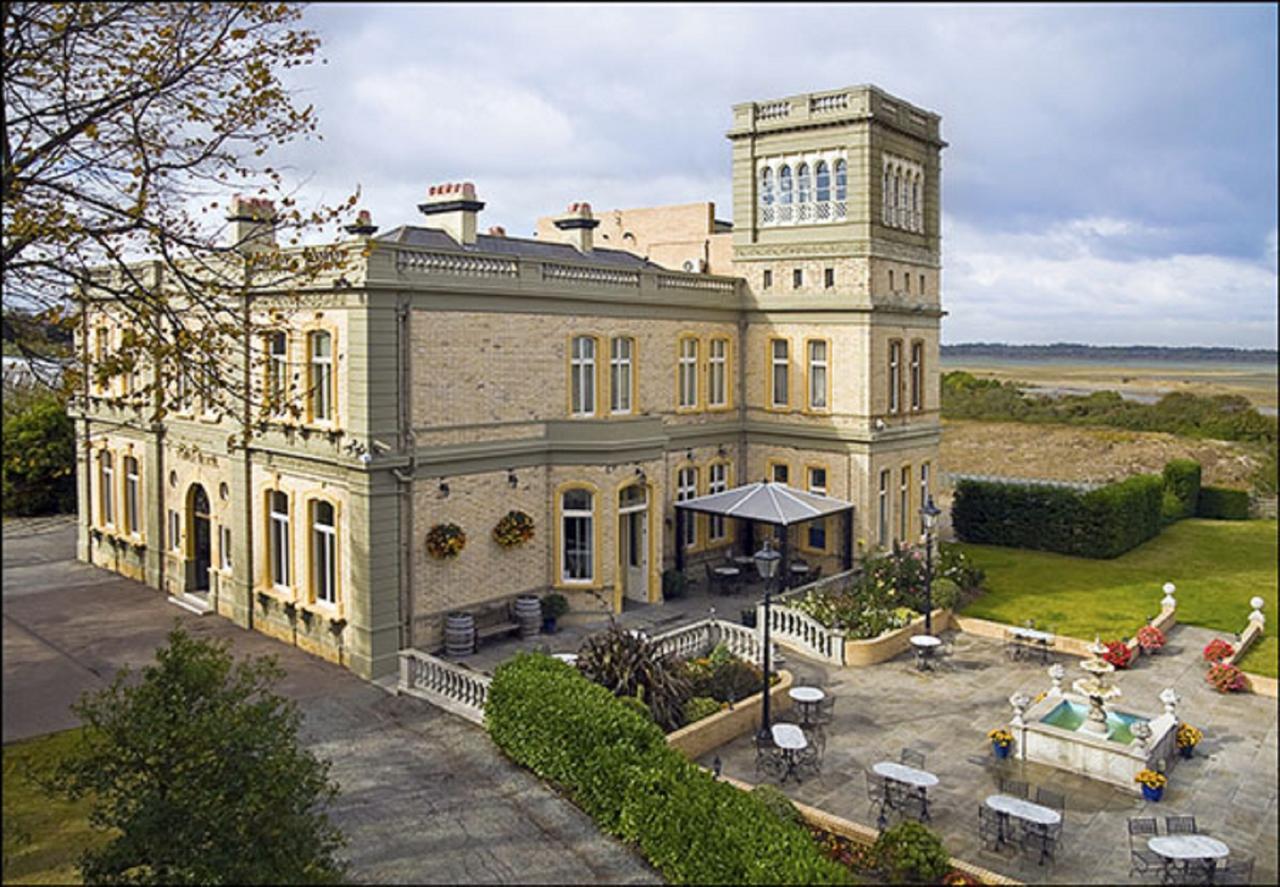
column 1100, row 523
column 617, row 766
column 1181, row 489
column 1222, row 503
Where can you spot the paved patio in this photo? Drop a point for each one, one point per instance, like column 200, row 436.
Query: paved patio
column 1230, row 786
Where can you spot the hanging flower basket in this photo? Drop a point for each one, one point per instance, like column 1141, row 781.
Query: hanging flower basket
column 445, row 541
column 515, row 528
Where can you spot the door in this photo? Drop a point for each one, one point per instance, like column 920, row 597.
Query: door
column 633, row 543
column 201, row 546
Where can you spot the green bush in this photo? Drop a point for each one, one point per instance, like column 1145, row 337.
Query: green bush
column 1223, row 504
column 637, row 705
column 778, row 803
column 700, row 707
column 554, row 605
column 727, row 681
column 1101, row 523
column 39, row 458
column 674, row 585
column 1181, row 489
column 691, row 827
column 911, row 853
column 629, row 664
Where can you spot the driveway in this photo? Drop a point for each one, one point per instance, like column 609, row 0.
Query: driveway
column 426, row 798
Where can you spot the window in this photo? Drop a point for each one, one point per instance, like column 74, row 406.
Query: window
column 277, row 371
column 186, row 389
column 620, row 374
column 206, row 375
column 884, row 507
column 767, row 280
column 687, row 488
column 797, row 278
column 175, row 531
column 582, row 376
column 841, row 180
column 132, row 522
column 915, row 207
column 107, row 487
column 922, row 284
column 924, row 483
column 817, row 530
column 320, row 349
column 829, row 277
column 890, row 280
column 718, row 373
column 278, row 539
column 781, row 474
column 688, row 373
column 823, row 178
column 784, row 186
column 323, row 552
column 224, row 546
column 766, row 187
column 884, row 197
column 780, row 359
column 717, row 482
column 577, row 536
column 906, row 283
column 100, row 340
column 917, row 375
column 804, row 193
column 817, row 374
column 904, row 504
column 895, row 374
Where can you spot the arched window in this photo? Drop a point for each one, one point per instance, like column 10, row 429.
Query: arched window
column 132, row 512
column 822, row 177
column 577, row 536
column 915, row 204
column 784, row 185
column 841, row 180
column 885, row 196
column 803, row 183
column 278, row 539
column 320, row 351
column 766, row 187
column 324, row 535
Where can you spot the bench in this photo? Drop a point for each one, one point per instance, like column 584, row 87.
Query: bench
column 501, row 628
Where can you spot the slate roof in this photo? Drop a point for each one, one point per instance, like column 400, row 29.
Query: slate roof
column 767, row 502
column 435, row 238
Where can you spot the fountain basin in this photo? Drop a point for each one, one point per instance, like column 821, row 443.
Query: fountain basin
column 1050, row 735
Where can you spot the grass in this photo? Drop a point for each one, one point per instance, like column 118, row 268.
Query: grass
column 1216, row 565
column 43, row 837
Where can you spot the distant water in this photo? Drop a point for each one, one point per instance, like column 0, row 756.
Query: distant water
column 1063, row 391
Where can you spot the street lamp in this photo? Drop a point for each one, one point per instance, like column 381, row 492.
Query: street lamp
column 928, row 518
column 767, row 566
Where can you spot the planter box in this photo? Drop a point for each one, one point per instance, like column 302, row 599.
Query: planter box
column 702, row 736
column 876, row 650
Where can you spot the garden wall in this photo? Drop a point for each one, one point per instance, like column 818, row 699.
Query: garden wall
column 702, row 736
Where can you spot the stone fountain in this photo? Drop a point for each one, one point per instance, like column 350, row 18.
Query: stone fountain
column 1096, row 689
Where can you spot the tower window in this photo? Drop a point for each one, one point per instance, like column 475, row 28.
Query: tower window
column 829, row 278
column 797, row 278
column 768, row 278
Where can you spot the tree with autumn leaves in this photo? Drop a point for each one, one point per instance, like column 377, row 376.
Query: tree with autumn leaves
column 127, row 128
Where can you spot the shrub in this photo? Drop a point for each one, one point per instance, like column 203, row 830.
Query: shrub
column 1227, row 678
column 700, row 707
column 955, row 565
column 1118, row 654
column 1181, row 489
column 674, row 585
column 726, row 680
column 778, row 803
column 692, row 828
column 1101, row 523
column 637, row 705
column 1223, row 504
column 39, row 458
column 628, row 664
column 554, row 605
column 1217, row 650
column 911, row 853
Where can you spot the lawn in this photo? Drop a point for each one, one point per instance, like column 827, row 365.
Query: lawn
column 1216, row 565
column 43, row 837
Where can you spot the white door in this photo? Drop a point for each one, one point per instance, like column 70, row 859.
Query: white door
column 633, row 543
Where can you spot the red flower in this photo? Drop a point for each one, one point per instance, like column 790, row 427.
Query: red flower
column 1217, row 650
column 1118, row 654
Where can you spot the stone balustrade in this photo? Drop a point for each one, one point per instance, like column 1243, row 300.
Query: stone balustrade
column 452, row 687
column 803, row 633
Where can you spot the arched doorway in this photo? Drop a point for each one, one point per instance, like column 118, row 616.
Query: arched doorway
column 633, row 543
column 200, row 554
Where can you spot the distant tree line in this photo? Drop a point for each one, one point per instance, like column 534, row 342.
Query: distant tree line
column 1108, row 353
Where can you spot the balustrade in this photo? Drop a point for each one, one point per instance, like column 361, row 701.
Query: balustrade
column 450, row 686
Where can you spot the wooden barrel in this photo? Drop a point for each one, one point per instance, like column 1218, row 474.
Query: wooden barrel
column 459, row 634
column 528, row 615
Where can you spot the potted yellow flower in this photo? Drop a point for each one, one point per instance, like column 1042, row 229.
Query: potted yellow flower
column 1188, row 738
column 1152, row 782
column 1001, row 742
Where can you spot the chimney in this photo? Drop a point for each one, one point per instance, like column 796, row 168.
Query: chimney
column 578, row 224
column 363, row 227
column 453, row 207
column 252, row 223
column 497, row 231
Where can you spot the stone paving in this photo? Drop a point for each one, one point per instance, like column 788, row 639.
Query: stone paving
column 426, row 797
column 1230, row 786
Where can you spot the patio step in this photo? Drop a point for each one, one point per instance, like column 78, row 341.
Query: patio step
column 191, row 603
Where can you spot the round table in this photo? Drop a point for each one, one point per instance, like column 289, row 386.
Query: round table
column 1008, row 805
column 727, row 571
column 919, row 781
column 1187, row 849
column 925, row 645
column 744, row 560
column 800, row 568
column 790, row 739
column 808, row 697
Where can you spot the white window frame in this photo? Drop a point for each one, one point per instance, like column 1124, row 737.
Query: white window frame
column 818, row 366
column 717, row 482
column 687, row 488
column 279, row 542
column 320, row 377
column 917, row 376
column 884, row 507
column 895, row 375
column 718, row 372
column 324, row 553
column 224, row 546
column 817, row 526
column 131, row 502
column 688, row 372
column 621, row 370
column 779, row 365
column 587, row 529
column 277, row 372
column 582, row 376
column 107, row 488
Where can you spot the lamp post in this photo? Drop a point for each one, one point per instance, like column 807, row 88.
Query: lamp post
column 767, row 566
column 928, row 518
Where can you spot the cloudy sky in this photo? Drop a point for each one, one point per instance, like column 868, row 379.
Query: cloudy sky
column 1111, row 175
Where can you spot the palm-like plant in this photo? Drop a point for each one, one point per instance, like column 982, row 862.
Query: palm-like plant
column 630, row 665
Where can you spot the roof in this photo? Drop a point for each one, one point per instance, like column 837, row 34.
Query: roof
column 436, row 238
column 770, row 503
